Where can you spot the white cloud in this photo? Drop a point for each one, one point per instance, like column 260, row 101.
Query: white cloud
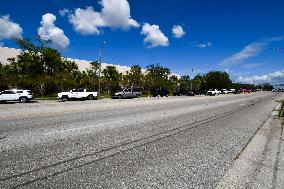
column 86, row 21
column 262, row 78
column 253, row 65
column 48, row 31
column 114, row 14
column 9, row 29
column 154, row 36
column 249, row 51
column 204, row 45
column 178, row 31
column 64, row 12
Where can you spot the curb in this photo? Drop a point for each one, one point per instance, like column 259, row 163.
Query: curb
column 261, row 163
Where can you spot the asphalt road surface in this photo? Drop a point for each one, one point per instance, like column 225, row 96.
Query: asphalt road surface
column 175, row 142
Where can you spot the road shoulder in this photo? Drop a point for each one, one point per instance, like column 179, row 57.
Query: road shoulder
column 261, row 163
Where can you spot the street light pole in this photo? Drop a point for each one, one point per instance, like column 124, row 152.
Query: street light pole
column 100, row 67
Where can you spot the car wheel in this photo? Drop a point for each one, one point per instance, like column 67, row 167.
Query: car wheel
column 137, row 96
column 23, row 99
column 119, row 97
column 90, row 97
column 64, row 98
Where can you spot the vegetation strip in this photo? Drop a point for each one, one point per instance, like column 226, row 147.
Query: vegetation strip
column 44, row 71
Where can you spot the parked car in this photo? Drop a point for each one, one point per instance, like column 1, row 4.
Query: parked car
column 77, row 94
column 224, row 91
column 231, row 91
column 200, row 92
column 128, row 93
column 245, row 90
column 16, row 95
column 237, row 91
column 213, row 92
column 181, row 92
column 278, row 90
column 160, row 92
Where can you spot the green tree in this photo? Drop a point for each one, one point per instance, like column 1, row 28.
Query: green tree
column 173, row 83
column 197, row 82
column 185, row 84
column 217, row 80
column 111, row 79
column 157, row 76
column 135, row 76
column 37, row 67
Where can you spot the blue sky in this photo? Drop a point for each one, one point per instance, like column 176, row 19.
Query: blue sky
column 241, row 37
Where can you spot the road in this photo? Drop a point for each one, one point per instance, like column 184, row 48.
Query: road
column 175, row 142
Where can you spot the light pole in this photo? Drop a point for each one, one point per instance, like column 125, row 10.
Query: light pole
column 100, row 66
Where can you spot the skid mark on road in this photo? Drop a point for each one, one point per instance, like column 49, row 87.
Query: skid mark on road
column 30, row 176
column 82, row 128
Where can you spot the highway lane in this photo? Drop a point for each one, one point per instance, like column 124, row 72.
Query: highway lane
column 178, row 142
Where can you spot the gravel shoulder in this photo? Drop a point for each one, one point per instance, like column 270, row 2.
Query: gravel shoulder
column 260, row 165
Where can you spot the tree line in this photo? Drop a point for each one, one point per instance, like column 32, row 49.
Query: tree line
column 44, row 71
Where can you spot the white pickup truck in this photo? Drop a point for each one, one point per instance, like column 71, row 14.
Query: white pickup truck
column 77, row 94
column 213, row 92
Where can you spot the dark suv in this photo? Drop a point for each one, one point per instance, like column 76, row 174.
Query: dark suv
column 160, row 92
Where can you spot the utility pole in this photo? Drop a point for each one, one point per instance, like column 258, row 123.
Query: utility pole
column 100, row 67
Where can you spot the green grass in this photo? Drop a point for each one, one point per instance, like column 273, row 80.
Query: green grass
column 282, row 108
column 103, row 96
column 48, row 97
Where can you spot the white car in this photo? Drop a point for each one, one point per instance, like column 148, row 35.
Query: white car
column 232, row 90
column 16, row 95
column 213, row 92
column 77, row 94
column 224, row 91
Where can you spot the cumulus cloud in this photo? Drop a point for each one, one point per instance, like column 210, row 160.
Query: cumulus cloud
column 114, row 14
column 64, row 12
column 178, row 31
column 48, row 31
column 203, row 45
column 249, row 51
column 263, row 78
column 9, row 29
column 86, row 21
column 154, row 36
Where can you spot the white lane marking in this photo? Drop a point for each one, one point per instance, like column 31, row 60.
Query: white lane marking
column 241, row 104
column 84, row 127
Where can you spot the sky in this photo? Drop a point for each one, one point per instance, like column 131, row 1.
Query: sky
column 242, row 37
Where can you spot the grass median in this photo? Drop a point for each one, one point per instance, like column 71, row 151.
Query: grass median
column 282, row 109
